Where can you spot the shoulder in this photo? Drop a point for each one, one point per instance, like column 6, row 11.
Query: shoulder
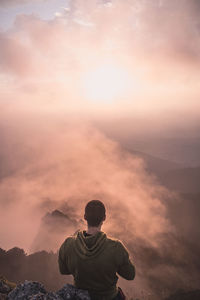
column 118, row 250
column 118, row 246
column 115, row 243
column 69, row 241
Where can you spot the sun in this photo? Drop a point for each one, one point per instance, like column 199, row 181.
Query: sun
column 105, row 83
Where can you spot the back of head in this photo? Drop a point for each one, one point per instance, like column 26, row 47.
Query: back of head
column 95, row 213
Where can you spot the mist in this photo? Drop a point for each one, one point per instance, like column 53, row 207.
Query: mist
column 72, row 162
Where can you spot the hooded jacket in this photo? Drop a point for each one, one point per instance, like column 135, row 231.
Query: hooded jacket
column 94, row 260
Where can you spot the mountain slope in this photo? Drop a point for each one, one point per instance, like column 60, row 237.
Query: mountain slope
column 186, row 180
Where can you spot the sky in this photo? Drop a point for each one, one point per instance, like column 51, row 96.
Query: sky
column 44, row 9
column 150, row 50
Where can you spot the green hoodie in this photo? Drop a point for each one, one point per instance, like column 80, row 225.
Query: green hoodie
column 94, row 260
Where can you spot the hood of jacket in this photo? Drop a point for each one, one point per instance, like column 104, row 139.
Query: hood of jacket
column 90, row 246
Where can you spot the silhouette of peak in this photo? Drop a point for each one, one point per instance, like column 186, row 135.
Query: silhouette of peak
column 54, row 228
column 57, row 213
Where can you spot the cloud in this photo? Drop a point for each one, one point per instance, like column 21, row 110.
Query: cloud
column 8, row 3
column 76, row 162
column 11, row 53
column 147, row 40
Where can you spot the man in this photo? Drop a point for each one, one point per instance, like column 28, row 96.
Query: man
column 94, row 259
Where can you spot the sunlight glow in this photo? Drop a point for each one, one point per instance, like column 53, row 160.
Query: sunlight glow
column 106, row 83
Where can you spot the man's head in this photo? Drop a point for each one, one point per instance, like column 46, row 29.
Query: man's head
column 95, row 213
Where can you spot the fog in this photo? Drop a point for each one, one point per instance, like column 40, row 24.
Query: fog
column 73, row 162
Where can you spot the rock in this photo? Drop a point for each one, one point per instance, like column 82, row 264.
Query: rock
column 3, row 296
column 26, row 290
column 48, row 296
column 70, row 292
column 4, row 288
column 31, row 290
column 4, row 282
column 82, row 295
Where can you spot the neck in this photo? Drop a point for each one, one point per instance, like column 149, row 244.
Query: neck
column 93, row 230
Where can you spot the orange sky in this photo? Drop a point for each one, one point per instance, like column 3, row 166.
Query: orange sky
column 126, row 58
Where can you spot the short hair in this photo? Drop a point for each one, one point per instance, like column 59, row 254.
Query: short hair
column 95, row 213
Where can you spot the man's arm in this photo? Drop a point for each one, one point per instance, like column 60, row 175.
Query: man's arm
column 126, row 269
column 62, row 259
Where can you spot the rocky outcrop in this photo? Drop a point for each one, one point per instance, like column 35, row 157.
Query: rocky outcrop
column 26, row 290
column 5, row 287
column 70, row 292
column 3, row 296
column 48, row 296
column 31, row 290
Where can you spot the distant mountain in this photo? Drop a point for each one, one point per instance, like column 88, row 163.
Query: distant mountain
column 181, row 146
column 156, row 165
column 172, row 175
column 54, row 227
column 183, row 212
column 41, row 266
column 181, row 150
column 185, row 180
